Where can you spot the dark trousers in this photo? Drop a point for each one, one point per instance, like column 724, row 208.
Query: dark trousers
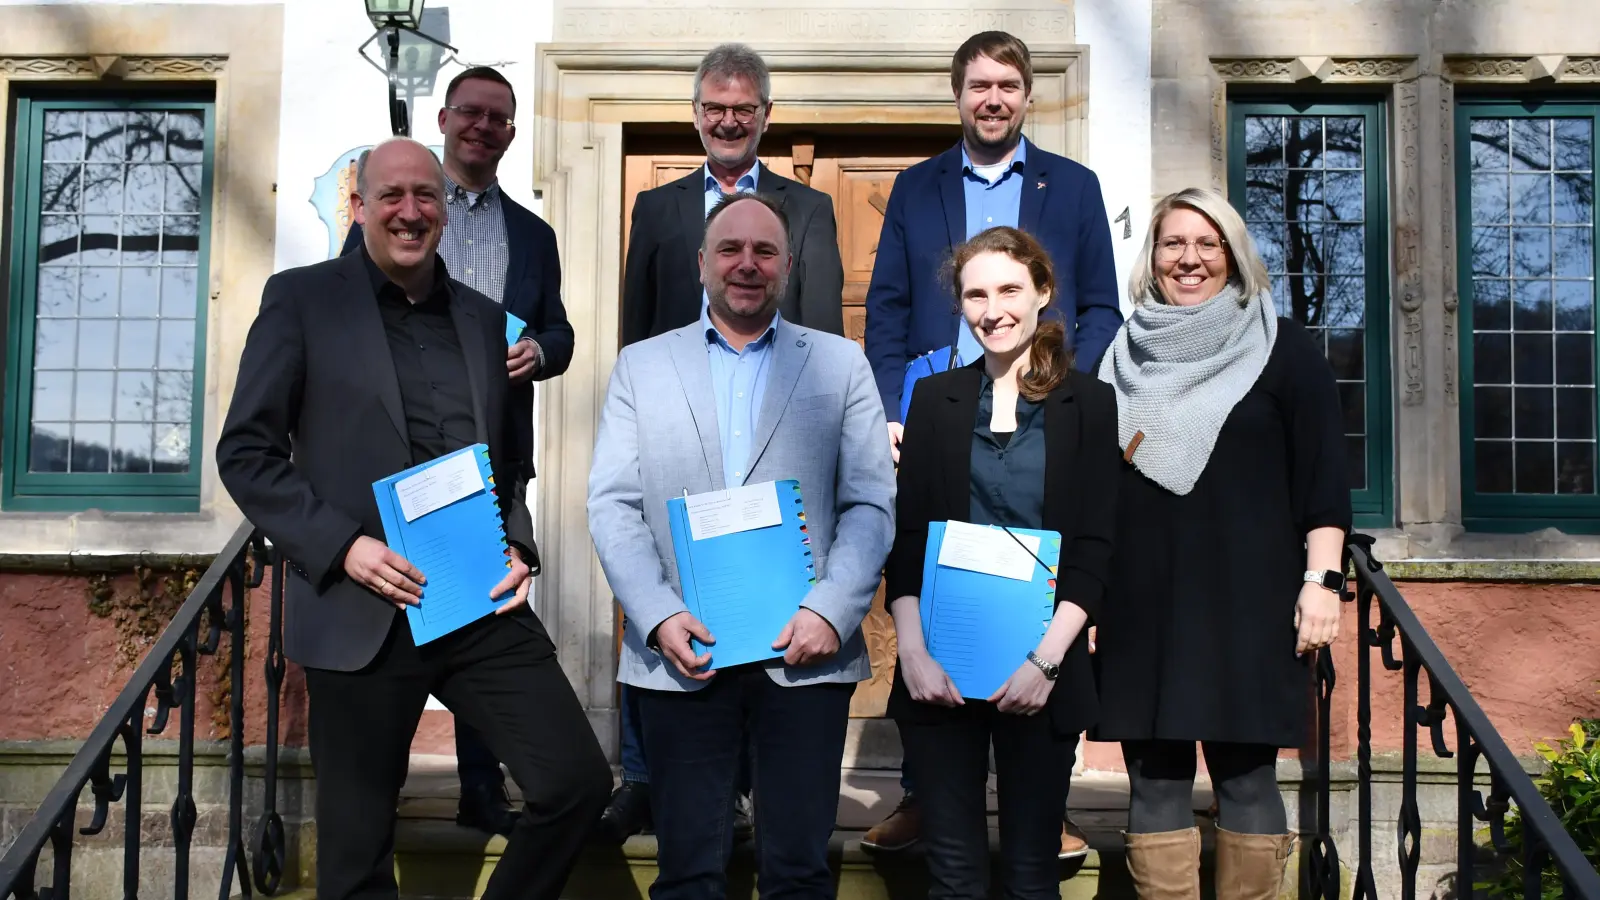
column 692, row 741
column 501, row 675
column 947, row 755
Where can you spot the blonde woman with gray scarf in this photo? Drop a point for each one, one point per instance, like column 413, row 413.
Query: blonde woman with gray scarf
column 1225, row 581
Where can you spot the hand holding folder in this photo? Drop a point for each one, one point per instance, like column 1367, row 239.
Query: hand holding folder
column 444, row 518
column 985, row 604
column 744, row 566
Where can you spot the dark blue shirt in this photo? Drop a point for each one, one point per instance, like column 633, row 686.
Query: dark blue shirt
column 1008, row 478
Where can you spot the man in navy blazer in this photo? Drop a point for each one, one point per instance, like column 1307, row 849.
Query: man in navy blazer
column 500, row 249
column 993, row 177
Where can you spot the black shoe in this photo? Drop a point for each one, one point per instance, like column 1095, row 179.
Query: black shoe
column 744, row 818
column 628, row 813
column 486, row 807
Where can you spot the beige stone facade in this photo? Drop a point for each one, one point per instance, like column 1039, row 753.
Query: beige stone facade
column 237, row 50
column 1418, row 57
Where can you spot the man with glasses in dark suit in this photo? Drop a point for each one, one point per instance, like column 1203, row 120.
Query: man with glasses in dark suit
column 502, row 250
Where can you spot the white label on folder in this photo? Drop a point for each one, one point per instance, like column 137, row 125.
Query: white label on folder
column 716, row 513
column 439, row 485
column 980, row 548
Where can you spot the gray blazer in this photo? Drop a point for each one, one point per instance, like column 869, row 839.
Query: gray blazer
column 821, row 422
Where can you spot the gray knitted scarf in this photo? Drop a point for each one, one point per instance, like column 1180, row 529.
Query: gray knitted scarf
column 1178, row 372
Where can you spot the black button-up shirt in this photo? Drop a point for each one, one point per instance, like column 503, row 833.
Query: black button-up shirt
column 429, row 363
column 1008, row 472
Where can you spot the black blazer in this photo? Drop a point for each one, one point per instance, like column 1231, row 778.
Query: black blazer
column 316, row 418
column 1082, row 471
column 533, row 294
column 661, row 287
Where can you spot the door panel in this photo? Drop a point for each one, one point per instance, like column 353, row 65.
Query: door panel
column 857, row 170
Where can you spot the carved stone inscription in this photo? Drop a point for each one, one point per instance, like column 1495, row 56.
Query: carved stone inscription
column 716, row 23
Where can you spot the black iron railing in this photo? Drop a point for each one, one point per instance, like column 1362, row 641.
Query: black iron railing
column 1545, row 842
column 170, row 671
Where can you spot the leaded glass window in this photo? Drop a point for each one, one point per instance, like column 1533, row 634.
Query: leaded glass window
column 1309, row 182
column 1527, row 266
column 115, row 200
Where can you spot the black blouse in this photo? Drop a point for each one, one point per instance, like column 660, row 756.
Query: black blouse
column 1008, row 470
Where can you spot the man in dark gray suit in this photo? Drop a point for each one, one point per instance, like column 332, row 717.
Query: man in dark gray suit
column 661, row 281
column 355, row 369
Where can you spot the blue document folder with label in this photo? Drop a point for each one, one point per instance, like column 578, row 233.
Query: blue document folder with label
column 514, row 328
column 444, row 518
column 744, row 564
column 980, row 625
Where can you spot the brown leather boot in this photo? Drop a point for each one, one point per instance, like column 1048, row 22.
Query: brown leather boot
column 1165, row 865
column 1250, row 866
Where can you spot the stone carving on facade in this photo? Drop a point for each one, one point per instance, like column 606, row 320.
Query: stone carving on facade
column 1523, row 69
column 1451, row 295
column 141, row 67
column 1486, row 69
column 1408, row 244
column 1371, row 68
column 1331, row 70
column 1253, row 69
column 1219, row 137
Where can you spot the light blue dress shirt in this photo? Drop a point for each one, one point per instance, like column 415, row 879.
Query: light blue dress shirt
column 739, row 379
column 745, row 185
column 989, row 203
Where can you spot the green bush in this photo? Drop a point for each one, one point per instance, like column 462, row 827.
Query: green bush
column 1571, row 785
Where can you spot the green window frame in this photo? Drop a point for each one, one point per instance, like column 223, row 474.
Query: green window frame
column 135, row 310
column 1330, row 245
column 1526, row 275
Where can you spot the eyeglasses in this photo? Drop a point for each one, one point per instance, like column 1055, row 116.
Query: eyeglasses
column 715, row 112
column 1172, row 249
column 493, row 119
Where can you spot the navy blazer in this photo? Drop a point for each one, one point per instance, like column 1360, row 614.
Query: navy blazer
column 533, row 294
column 912, row 310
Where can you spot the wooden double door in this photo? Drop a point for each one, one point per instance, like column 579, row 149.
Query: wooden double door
column 856, row 167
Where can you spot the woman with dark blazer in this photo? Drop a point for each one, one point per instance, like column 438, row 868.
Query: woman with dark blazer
column 1226, row 578
column 1016, row 439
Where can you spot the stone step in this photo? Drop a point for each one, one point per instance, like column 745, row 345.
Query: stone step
column 437, row 860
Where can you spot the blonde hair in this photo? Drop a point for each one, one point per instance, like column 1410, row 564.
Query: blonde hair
column 1239, row 248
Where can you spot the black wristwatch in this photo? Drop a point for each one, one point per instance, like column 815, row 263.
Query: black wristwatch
column 1326, row 579
column 1050, row 669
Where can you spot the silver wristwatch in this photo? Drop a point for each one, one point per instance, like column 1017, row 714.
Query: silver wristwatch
column 1050, row 669
column 1326, row 579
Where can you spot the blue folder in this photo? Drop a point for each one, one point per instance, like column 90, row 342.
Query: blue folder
column 745, row 586
column 980, row 627
column 460, row 548
column 921, row 367
column 514, row 328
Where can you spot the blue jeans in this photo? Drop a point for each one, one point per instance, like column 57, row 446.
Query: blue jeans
column 693, row 740
column 633, row 765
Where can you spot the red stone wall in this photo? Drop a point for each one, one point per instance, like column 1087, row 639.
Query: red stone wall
column 63, row 664
column 1530, row 653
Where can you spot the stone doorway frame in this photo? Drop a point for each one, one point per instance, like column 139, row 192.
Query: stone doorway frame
column 587, row 93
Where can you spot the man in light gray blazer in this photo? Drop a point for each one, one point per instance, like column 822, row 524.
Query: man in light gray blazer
column 743, row 397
